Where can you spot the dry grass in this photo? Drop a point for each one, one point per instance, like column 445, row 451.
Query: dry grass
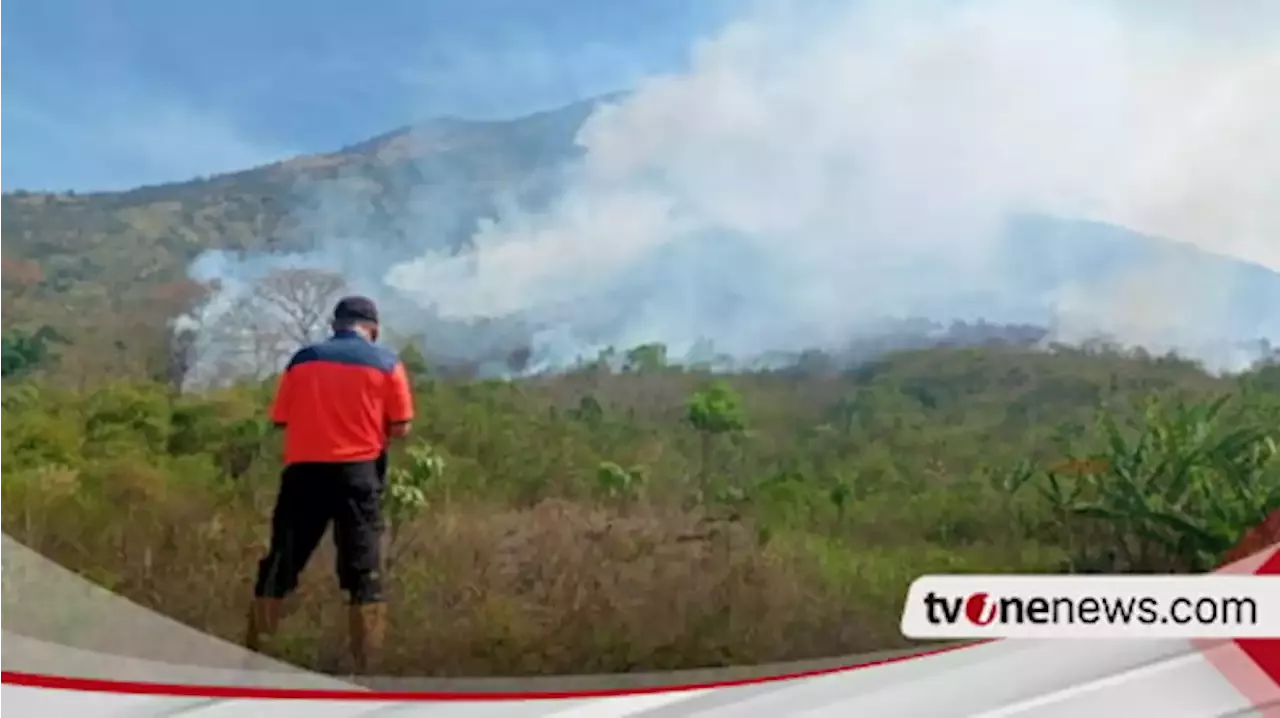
column 560, row 588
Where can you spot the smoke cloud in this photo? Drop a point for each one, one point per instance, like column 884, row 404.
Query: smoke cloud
column 823, row 166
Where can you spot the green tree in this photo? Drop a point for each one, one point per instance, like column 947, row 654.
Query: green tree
column 23, row 351
column 714, row 411
column 415, row 362
column 646, row 358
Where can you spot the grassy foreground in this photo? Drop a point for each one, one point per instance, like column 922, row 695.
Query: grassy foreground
column 663, row 518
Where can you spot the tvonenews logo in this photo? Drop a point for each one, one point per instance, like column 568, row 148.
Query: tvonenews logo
column 1093, row 607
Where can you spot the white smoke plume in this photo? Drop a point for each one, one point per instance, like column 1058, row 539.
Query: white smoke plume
column 824, row 165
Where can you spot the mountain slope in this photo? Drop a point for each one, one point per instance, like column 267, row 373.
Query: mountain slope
column 272, row 207
column 85, row 260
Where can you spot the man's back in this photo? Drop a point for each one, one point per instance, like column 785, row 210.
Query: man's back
column 340, row 402
column 337, row 399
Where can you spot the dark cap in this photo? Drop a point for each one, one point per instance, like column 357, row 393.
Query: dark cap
column 356, row 309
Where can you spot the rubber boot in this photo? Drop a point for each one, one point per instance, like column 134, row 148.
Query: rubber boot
column 264, row 621
column 367, row 626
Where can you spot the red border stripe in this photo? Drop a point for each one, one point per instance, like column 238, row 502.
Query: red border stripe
column 101, row 685
column 251, row 693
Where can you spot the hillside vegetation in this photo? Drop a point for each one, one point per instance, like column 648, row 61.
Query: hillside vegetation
column 660, row 518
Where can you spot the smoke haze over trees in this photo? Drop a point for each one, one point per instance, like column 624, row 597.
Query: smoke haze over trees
column 824, row 168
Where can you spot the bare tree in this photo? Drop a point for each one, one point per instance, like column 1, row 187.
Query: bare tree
column 254, row 333
column 246, row 341
column 300, row 300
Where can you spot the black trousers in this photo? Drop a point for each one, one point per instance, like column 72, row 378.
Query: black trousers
column 348, row 495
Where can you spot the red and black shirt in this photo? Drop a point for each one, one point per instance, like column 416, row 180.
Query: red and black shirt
column 337, row 398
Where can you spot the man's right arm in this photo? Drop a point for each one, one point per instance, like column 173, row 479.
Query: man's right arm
column 280, row 406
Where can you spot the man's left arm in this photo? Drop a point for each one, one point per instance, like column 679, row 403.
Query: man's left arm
column 399, row 403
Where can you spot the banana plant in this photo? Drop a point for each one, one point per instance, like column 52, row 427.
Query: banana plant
column 1188, row 483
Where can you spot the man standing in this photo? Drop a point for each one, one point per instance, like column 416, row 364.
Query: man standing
column 339, row 402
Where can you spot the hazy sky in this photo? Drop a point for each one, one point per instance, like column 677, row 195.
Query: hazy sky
column 107, row 95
